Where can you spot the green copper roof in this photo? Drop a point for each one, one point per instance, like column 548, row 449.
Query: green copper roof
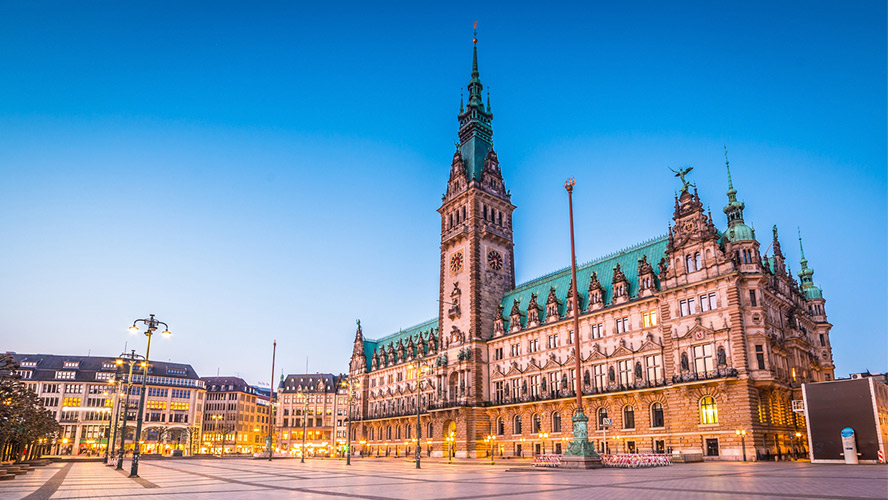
column 655, row 249
column 737, row 228
column 740, row 232
column 424, row 329
column 806, row 275
column 475, row 131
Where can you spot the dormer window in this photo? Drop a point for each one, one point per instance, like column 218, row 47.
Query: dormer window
column 109, row 365
column 71, row 364
column 29, row 364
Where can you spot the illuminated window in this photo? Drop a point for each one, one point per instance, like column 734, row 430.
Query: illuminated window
column 649, row 319
column 71, row 402
column 708, row 411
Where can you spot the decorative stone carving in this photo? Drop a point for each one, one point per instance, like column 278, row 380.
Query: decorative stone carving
column 533, row 312
column 597, row 294
column 552, row 306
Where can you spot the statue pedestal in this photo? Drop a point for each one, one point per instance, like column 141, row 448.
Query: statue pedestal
column 580, row 453
column 581, row 462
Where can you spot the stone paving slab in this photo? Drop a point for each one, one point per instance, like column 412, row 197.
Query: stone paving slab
column 245, row 479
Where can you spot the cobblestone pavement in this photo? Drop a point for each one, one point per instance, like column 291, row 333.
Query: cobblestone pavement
column 245, row 479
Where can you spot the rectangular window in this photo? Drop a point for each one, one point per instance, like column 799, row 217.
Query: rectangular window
column 570, row 337
column 533, row 345
column 534, row 385
column 760, row 356
column 653, row 364
column 498, row 391
column 65, row 375
column 752, row 301
column 625, row 369
column 622, row 325
column 692, row 306
column 598, row 372
column 597, row 331
column 703, row 358
column 683, row 308
column 708, row 302
column 822, row 340
column 552, row 341
column 515, row 350
column 498, row 353
column 649, row 319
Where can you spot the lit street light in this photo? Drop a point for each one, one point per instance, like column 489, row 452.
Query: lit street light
column 131, row 359
column 151, row 325
column 350, row 386
column 421, row 369
column 742, row 434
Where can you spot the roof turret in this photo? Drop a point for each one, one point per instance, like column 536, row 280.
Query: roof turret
column 737, row 228
column 806, row 275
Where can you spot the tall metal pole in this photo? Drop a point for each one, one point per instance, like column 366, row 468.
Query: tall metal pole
column 580, row 446
column 134, row 468
column 271, row 402
column 112, row 424
column 304, row 424
column 576, row 312
column 151, row 324
column 418, row 453
column 129, row 383
column 348, row 422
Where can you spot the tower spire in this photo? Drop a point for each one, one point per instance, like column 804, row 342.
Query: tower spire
column 737, row 228
column 475, row 132
column 806, row 275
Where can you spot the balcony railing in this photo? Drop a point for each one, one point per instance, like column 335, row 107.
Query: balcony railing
column 708, row 375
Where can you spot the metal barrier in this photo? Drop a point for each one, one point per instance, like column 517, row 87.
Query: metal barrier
column 546, row 460
column 636, row 460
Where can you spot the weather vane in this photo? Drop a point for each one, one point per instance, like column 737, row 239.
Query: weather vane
column 681, row 173
column 475, row 33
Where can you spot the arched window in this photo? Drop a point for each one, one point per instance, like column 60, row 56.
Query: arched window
column 602, row 418
column 628, row 417
column 371, row 434
column 516, row 424
column 708, row 411
column 536, row 423
column 697, row 264
column 409, row 429
column 556, row 422
column 657, row 417
column 500, row 426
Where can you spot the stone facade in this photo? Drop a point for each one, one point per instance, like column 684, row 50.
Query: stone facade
column 685, row 339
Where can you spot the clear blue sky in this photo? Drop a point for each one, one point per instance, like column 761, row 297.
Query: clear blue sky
column 251, row 172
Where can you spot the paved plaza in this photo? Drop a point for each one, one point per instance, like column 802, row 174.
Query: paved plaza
column 394, row 479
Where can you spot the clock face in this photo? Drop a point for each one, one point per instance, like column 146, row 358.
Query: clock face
column 494, row 260
column 689, row 226
column 456, row 262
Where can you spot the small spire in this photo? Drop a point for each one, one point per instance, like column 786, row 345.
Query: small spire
column 460, row 100
column 732, row 193
column 488, row 99
column 801, row 248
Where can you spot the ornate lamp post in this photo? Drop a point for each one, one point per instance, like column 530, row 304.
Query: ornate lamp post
column 543, row 436
column 112, row 415
column 580, row 453
column 151, row 325
column 450, row 444
column 131, row 359
column 490, row 440
column 742, row 434
column 421, row 369
column 350, row 386
column 304, row 423
column 268, row 439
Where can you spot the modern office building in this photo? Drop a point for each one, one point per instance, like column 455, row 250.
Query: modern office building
column 77, row 390
column 236, row 416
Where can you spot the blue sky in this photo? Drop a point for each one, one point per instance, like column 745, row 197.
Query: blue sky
column 257, row 172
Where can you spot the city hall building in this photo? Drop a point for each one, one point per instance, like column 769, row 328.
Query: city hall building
column 684, row 339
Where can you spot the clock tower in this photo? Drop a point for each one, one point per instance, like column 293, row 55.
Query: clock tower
column 477, row 263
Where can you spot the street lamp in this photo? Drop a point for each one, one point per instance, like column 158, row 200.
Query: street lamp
column 489, row 440
column 350, row 385
column 580, row 446
column 522, row 440
column 543, row 436
column 216, row 419
column 131, row 359
column 304, row 423
column 151, row 325
column 112, row 420
column 742, row 434
column 450, row 440
column 421, row 369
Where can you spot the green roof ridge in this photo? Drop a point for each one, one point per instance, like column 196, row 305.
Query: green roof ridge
column 536, row 281
column 419, row 326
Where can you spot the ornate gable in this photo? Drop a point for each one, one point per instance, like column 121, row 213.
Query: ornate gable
column 552, row 306
column 620, row 286
column 533, row 312
column 597, row 294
